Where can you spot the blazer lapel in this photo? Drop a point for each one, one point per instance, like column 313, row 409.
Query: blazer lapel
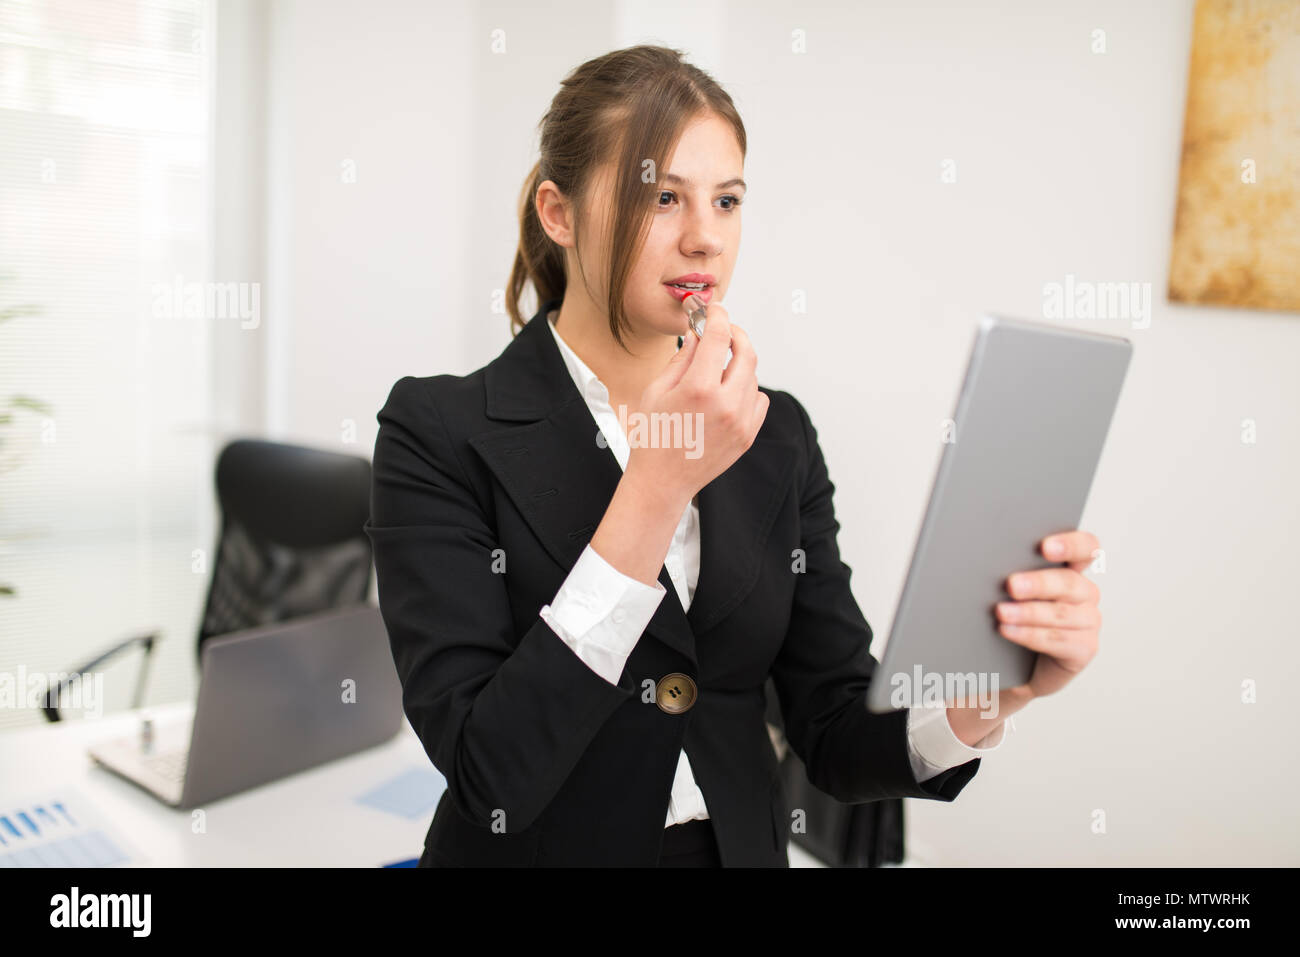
column 548, row 460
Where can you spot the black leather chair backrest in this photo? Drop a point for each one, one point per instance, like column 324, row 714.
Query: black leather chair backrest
column 292, row 539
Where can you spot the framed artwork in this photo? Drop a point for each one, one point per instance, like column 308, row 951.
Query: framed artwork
column 1237, row 226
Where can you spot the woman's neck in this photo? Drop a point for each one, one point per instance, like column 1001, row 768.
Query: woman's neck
column 626, row 374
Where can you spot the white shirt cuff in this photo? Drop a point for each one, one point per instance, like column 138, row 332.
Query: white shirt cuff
column 934, row 747
column 601, row 613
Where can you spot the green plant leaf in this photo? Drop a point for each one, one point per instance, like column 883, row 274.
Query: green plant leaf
column 27, row 402
column 13, row 312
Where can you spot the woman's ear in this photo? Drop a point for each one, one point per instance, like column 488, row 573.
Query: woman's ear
column 554, row 212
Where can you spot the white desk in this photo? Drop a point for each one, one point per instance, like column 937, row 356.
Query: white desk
column 308, row 819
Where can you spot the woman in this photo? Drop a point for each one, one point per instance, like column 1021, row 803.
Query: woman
column 583, row 617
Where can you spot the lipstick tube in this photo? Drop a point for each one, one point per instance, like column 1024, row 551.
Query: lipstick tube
column 696, row 314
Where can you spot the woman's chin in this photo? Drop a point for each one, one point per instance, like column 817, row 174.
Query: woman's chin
column 668, row 322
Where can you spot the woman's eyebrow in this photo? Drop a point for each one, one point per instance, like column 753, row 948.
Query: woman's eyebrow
column 735, row 181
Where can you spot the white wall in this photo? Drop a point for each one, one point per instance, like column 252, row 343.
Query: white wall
column 1067, row 163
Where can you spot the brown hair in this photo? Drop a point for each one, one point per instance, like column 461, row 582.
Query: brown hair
column 632, row 105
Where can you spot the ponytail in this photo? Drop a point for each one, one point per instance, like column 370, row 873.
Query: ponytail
column 538, row 259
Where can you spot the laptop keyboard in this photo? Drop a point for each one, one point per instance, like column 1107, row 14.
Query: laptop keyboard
column 168, row 764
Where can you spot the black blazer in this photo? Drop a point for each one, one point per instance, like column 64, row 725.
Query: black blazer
column 487, row 487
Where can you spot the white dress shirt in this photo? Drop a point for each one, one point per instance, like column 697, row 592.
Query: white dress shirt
column 601, row 613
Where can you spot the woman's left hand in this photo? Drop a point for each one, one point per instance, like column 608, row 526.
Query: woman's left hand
column 1055, row 612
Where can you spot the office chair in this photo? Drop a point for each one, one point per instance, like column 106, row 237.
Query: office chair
column 838, row 834
column 292, row 543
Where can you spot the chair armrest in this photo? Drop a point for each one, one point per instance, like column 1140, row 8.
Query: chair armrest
column 146, row 641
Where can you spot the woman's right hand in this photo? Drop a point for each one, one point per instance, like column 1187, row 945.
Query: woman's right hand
column 719, row 406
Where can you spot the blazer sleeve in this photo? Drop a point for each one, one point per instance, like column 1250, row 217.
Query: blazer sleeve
column 824, row 668
column 504, row 714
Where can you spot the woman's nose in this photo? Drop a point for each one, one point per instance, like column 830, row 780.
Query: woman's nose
column 700, row 237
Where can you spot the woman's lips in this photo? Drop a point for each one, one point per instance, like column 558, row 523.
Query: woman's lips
column 680, row 294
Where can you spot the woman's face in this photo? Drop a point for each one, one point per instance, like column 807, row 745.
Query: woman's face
column 695, row 227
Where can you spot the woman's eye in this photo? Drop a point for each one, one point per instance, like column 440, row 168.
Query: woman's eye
column 734, row 201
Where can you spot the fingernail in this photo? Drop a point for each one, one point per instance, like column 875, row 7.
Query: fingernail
column 1054, row 548
column 1019, row 583
column 1009, row 610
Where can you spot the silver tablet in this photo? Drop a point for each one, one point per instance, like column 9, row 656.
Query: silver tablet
column 1017, row 465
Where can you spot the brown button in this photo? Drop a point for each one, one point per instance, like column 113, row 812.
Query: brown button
column 675, row 693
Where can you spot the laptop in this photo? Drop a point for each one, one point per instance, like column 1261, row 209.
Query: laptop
column 1030, row 423
column 273, row 700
